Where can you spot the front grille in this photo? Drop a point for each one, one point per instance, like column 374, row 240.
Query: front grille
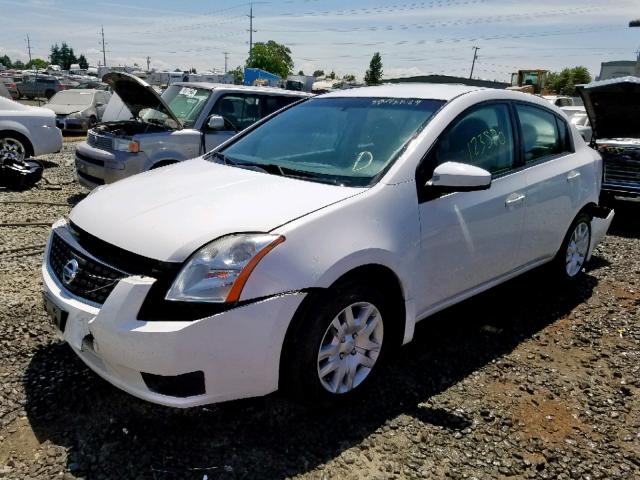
column 93, row 281
column 100, row 141
column 622, row 169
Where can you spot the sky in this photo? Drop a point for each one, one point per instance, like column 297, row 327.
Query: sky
column 413, row 37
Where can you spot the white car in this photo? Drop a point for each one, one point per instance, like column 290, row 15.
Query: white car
column 26, row 131
column 78, row 109
column 301, row 251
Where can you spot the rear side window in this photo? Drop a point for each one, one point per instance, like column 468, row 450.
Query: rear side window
column 540, row 134
column 482, row 137
column 273, row 103
column 241, row 110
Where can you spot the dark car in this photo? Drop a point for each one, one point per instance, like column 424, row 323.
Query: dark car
column 39, row 86
column 612, row 106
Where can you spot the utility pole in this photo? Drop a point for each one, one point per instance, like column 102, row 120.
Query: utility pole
column 29, row 47
column 473, row 64
column 226, row 57
column 104, row 54
column 251, row 30
column 148, row 63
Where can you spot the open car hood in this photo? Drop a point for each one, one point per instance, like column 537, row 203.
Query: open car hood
column 613, row 106
column 137, row 94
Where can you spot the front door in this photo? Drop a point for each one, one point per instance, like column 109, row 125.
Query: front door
column 471, row 238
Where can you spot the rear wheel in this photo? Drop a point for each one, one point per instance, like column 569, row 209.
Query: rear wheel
column 338, row 346
column 570, row 260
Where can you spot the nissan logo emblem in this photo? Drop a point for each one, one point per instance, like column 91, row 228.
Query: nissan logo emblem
column 69, row 271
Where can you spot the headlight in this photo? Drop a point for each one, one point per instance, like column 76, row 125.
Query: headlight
column 126, row 145
column 75, row 116
column 218, row 271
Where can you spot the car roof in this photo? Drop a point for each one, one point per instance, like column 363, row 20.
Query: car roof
column 435, row 91
column 245, row 88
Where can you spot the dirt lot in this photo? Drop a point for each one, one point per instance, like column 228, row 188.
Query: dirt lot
column 525, row 381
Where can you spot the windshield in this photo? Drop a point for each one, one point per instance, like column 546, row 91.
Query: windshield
column 69, row 97
column 186, row 103
column 347, row 141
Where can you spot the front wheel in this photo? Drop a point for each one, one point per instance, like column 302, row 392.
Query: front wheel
column 570, row 260
column 339, row 345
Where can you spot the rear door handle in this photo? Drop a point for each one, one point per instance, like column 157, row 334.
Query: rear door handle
column 514, row 199
column 572, row 176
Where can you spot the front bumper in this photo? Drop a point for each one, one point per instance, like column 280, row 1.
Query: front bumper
column 238, row 351
column 73, row 124
column 95, row 167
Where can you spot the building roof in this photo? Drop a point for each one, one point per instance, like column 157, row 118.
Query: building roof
column 435, row 91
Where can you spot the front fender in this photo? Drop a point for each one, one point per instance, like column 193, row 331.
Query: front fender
column 13, row 126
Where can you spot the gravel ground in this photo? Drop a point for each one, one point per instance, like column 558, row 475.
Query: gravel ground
column 524, row 381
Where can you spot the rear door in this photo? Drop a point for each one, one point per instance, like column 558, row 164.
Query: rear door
column 471, row 238
column 555, row 180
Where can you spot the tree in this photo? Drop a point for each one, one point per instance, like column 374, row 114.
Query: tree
column 374, row 74
column 238, row 75
column 332, row 75
column 19, row 65
column 349, row 78
column 565, row 81
column 82, row 61
column 38, row 64
column 301, row 73
column 6, row 61
column 62, row 56
column 318, row 73
column 272, row 57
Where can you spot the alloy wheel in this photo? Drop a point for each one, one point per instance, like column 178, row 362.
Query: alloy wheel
column 350, row 347
column 577, row 249
column 11, row 150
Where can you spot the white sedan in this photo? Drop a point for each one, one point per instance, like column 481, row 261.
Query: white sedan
column 26, row 131
column 299, row 253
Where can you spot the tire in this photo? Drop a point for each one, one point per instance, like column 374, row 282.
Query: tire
column 92, row 121
column 331, row 356
column 569, row 263
column 14, row 147
column 163, row 163
column 49, row 93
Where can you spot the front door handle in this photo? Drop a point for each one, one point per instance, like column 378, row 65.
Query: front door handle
column 573, row 175
column 514, row 199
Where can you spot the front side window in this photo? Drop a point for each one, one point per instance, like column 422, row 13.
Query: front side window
column 482, row 137
column 540, row 136
column 346, row 141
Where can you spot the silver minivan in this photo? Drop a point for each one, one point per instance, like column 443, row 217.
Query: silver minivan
column 186, row 121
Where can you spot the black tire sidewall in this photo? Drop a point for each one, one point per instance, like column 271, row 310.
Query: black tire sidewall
column 302, row 375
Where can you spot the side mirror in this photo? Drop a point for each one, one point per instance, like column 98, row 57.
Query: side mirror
column 215, row 122
column 460, row 177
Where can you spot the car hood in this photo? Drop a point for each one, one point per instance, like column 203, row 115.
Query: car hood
column 65, row 109
column 137, row 94
column 168, row 213
column 612, row 106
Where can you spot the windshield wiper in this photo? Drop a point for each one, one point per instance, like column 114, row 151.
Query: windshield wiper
column 274, row 168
